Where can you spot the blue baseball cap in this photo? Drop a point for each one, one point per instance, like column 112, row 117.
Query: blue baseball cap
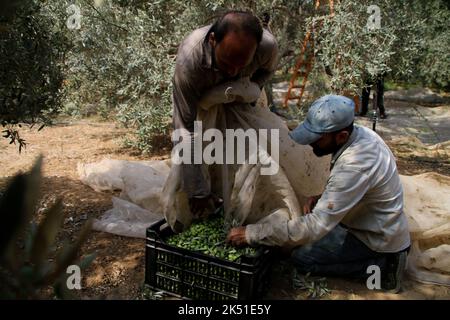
column 327, row 114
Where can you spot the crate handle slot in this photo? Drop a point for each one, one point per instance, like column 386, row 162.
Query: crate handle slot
column 155, row 228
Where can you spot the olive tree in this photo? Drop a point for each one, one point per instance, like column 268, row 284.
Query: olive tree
column 31, row 66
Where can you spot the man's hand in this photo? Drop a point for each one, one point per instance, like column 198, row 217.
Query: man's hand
column 236, row 237
column 310, row 204
column 239, row 91
column 243, row 91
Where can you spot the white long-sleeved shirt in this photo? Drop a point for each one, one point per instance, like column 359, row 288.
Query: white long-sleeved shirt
column 363, row 192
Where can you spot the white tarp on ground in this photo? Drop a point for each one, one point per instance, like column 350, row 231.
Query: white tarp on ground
column 427, row 204
column 146, row 196
column 141, row 184
column 423, row 96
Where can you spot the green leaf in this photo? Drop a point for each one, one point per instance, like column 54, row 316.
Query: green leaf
column 16, row 207
column 68, row 254
column 87, row 261
column 46, row 233
column 29, row 239
column 60, row 288
column 12, row 211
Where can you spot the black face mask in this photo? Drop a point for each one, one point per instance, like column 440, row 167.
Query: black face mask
column 333, row 147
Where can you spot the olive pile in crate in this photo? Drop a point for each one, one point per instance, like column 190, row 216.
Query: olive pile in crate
column 208, row 236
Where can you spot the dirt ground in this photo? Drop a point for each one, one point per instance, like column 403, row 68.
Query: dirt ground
column 118, row 270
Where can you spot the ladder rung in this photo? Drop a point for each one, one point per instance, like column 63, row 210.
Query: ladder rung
column 304, row 62
column 297, row 86
column 299, row 76
column 305, row 65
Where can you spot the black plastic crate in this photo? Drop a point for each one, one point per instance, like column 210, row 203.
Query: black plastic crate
column 192, row 275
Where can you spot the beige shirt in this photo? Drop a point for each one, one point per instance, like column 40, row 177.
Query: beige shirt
column 195, row 73
column 363, row 192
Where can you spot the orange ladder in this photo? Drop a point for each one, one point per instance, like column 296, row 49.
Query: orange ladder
column 304, row 63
